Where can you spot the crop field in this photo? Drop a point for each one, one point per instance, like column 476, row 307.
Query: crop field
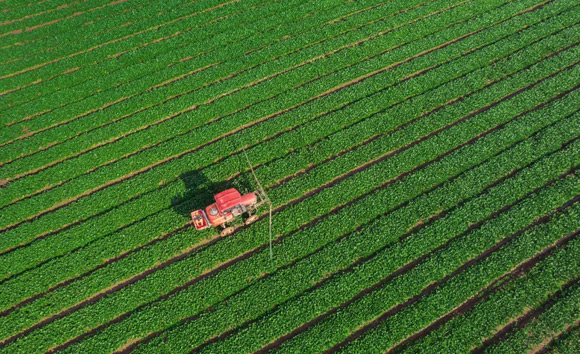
column 421, row 158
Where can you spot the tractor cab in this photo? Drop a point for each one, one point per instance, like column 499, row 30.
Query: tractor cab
column 228, row 205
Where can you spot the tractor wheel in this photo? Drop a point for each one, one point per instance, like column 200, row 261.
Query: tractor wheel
column 227, row 231
column 251, row 219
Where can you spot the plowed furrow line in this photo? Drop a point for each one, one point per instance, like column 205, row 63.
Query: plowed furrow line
column 241, row 128
column 44, row 49
column 32, row 28
column 113, row 57
column 467, row 305
column 523, row 319
column 274, row 185
column 548, row 347
column 264, row 246
column 233, row 75
column 407, row 267
column 116, row 40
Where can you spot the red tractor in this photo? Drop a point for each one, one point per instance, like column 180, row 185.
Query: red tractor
column 228, row 205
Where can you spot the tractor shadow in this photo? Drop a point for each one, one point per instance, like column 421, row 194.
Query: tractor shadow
column 199, row 190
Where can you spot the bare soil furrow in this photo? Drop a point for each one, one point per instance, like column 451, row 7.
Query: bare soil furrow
column 114, row 41
column 524, row 319
column 278, row 238
column 274, row 185
column 305, row 326
column 243, row 127
column 470, row 303
column 228, row 77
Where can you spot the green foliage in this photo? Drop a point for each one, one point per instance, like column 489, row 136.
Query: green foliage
column 324, row 231
column 27, row 284
column 567, row 343
column 416, row 153
column 553, row 320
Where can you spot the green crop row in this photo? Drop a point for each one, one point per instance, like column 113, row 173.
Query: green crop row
column 225, row 79
column 226, row 149
column 301, row 310
column 76, row 163
column 240, row 99
column 34, row 13
column 128, row 67
column 104, row 53
column 29, row 18
column 73, row 167
column 54, row 22
column 105, row 133
column 566, row 343
column 341, row 222
column 195, row 328
column 565, row 311
column 162, row 25
column 111, row 49
column 77, row 28
column 468, row 283
column 268, row 174
column 157, row 58
column 38, row 6
column 326, row 122
column 335, row 168
column 466, row 332
column 73, row 87
column 131, row 164
column 93, row 176
column 304, row 162
column 244, row 307
column 156, row 225
column 178, row 339
column 333, row 327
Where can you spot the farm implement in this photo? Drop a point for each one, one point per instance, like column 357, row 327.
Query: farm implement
column 228, row 205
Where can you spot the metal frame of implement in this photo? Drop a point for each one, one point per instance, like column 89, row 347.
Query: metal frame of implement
column 266, row 199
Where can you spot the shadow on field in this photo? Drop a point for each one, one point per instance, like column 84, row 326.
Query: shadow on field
column 200, row 191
